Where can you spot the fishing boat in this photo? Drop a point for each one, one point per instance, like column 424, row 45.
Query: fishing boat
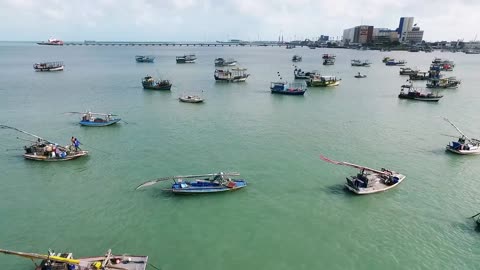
column 92, row 119
column 323, row 81
column 386, row 59
column 145, row 58
column 296, row 58
column 203, row 183
column 65, row 261
column 408, row 71
column 329, row 61
column 464, row 145
column 300, row 74
column 150, row 83
column 328, row 56
column 220, row 62
column 369, row 181
column 409, row 92
column 51, row 42
column 188, row 59
column 48, row 66
column 358, row 63
column 190, row 99
column 43, row 150
column 290, row 46
column 285, row 88
column 232, row 75
column 392, row 62
column 443, row 83
column 360, row 76
column 441, row 61
column 420, row 76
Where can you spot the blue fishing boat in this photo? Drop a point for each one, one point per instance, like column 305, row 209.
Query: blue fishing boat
column 203, row 183
column 91, row 119
column 285, row 88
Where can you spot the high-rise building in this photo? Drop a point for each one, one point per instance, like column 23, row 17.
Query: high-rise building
column 381, row 35
column 360, row 34
column 406, row 25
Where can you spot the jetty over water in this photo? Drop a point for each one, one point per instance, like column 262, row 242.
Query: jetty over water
column 173, row 44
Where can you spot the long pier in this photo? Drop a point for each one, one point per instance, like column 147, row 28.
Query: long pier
column 173, row 44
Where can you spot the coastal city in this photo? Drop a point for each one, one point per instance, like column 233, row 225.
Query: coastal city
column 127, row 145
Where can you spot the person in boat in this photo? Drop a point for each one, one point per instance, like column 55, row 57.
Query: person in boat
column 76, row 144
column 359, row 74
column 461, row 140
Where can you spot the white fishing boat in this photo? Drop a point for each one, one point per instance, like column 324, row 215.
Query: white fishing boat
column 368, row 180
column 190, row 99
column 48, row 66
column 232, row 75
column 464, row 145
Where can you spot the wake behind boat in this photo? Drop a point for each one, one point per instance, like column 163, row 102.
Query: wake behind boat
column 65, row 260
column 44, row 150
column 369, row 181
column 203, row 183
column 48, row 66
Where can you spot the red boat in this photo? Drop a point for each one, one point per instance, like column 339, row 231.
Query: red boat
column 52, row 41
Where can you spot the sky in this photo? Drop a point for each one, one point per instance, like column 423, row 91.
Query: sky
column 211, row 20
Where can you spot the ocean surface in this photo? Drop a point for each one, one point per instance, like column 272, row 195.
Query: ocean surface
column 295, row 213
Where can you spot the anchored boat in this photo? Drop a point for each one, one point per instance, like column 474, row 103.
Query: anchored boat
column 464, row 145
column 409, row 92
column 48, row 66
column 360, row 76
column 145, row 58
column 52, row 42
column 445, row 83
column 392, row 62
column 300, row 74
column 203, row 183
column 285, row 88
column 150, row 83
column 232, row 75
column 44, row 150
column 188, row 59
column 190, row 99
column 329, row 56
column 408, row 71
column 296, row 58
column 323, row 81
column 220, row 62
column 369, row 181
column 92, row 119
column 65, row 260
column 358, row 63
column 329, row 61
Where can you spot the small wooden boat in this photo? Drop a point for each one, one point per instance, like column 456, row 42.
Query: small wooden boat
column 44, row 150
column 408, row 71
column 220, row 62
column 148, row 82
column 360, row 76
column 92, row 119
column 190, row 99
column 392, row 62
column 410, row 92
column 369, row 181
column 285, row 88
column 232, row 75
column 203, row 183
column 464, row 145
column 323, row 81
column 65, row 260
column 296, row 58
column 48, row 66
column 186, row 59
column 358, row 63
column 52, row 42
column 145, row 58
column 300, row 74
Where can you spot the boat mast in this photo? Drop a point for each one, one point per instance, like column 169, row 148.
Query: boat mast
column 459, row 131
column 22, row 131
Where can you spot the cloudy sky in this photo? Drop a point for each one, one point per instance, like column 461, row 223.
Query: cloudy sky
column 210, row 20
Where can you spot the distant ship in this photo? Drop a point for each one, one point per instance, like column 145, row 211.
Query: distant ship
column 52, row 41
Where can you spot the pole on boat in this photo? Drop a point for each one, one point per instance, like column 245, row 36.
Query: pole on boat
column 459, row 131
column 24, row 132
column 474, row 215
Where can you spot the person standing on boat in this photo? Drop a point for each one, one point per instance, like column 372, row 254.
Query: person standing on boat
column 76, row 144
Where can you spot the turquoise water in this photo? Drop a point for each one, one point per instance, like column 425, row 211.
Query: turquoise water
column 293, row 215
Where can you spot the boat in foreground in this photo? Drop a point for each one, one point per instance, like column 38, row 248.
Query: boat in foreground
column 145, row 58
column 464, row 145
column 285, row 88
column 48, row 66
column 65, row 261
column 148, row 82
column 410, row 92
column 44, row 150
column 92, row 119
column 202, row 183
column 369, row 181
column 190, row 99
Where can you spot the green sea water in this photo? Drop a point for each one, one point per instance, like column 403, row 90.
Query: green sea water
column 294, row 214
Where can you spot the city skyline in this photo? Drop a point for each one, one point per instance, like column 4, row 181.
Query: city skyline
column 209, row 20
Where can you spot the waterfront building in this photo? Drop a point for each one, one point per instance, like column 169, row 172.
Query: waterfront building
column 361, row 34
column 406, row 25
column 381, row 35
column 414, row 36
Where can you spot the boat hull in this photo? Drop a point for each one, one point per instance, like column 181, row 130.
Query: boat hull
column 425, row 99
column 379, row 187
column 463, row 152
column 99, row 124
column 239, row 184
column 166, row 87
column 288, row 93
column 45, row 158
column 49, row 69
column 186, row 100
